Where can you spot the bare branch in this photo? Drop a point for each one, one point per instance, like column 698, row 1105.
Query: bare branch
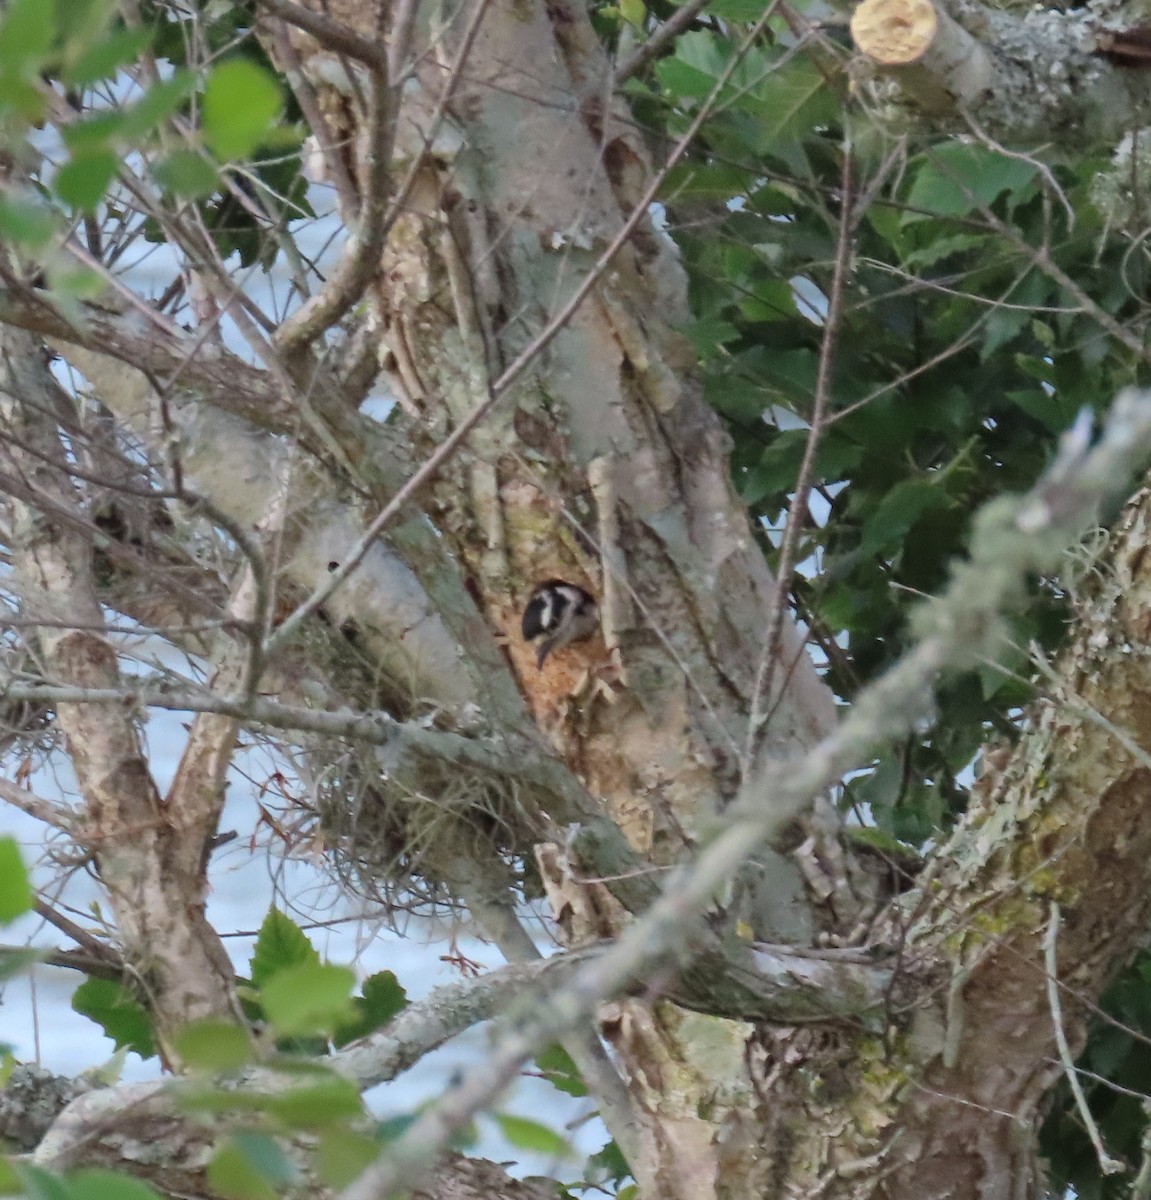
column 797, row 513
column 994, row 65
column 59, row 816
column 95, row 950
column 335, row 35
column 361, row 257
column 1107, row 1164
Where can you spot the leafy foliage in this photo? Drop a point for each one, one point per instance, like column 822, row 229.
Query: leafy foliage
column 526, row 1134
column 280, row 944
column 87, row 1184
column 958, row 360
column 304, row 1000
column 244, row 117
column 117, row 1011
column 214, row 1046
column 15, row 890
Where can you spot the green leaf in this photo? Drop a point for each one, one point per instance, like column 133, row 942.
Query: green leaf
column 381, row 998
column 634, row 12
column 26, row 36
column 704, row 51
column 343, row 1155
column 15, row 962
column 778, row 466
column 158, row 102
column 15, row 890
column 229, row 1100
column 82, row 182
column 232, row 1176
column 308, row 998
column 705, row 335
column 772, row 300
column 280, row 943
column 691, row 72
column 103, row 59
column 957, row 177
column 95, row 1184
column 1048, row 408
column 21, row 97
column 792, row 374
column 736, row 10
column 74, row 280
column 558, row 1068
column 39, row 1184
column 83, row 23
column 939, row 248
column 266, row 1156
column 9, row 1179
column 608, row 1165
column 898, row 511
column 791, row 100
column 333, row 1100
column 705, row 181
column 391, row 1128
column 117, row 1011
column 27, row 223
column 883, row 787
column 241, row 102
column 525, row 1134
column 216, row 1046
column 188, row 174
column 93, row 133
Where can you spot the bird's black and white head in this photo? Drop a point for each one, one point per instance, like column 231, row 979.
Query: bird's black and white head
column 558, row 614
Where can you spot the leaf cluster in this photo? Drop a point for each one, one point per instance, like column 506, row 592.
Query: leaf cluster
column 972, row 333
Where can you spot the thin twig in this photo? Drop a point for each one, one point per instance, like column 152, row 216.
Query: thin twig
column 72, row 960
column 1141, row 1187
column 365, row 245
column 671, row 28
column 96, row 948
column 1107, row 1164
column 334, row 166
column 359, row 264
column 765, row 672
column 1042, row 259
column 497, row 921
column 403, row 23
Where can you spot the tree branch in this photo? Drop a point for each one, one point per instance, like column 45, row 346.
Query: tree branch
column 1031, row 77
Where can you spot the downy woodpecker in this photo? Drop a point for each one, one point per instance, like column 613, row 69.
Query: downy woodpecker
column 558, row 613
